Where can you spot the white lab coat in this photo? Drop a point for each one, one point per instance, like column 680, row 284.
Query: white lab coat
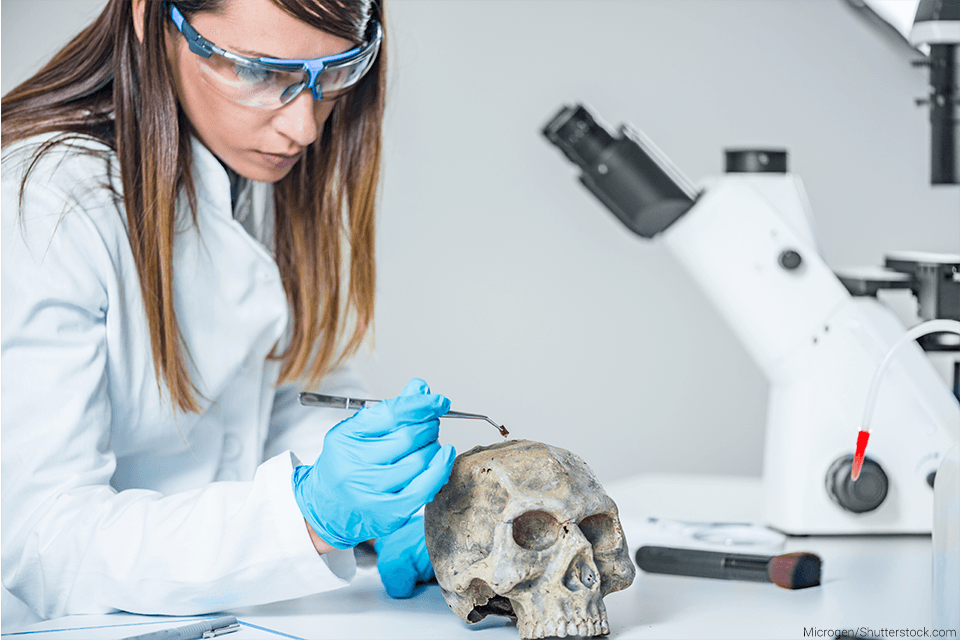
column 111, row 499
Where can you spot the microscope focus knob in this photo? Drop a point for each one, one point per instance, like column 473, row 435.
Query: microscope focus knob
column 866, row 494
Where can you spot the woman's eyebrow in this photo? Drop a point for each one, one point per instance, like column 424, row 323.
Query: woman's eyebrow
column 251, row 54
column 259, row 54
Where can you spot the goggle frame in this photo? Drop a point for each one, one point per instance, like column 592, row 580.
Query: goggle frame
column 314, row 67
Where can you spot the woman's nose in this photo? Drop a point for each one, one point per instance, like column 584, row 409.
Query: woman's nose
column 297, row 119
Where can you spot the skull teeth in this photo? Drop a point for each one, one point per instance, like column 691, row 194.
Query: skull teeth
column 595, row 626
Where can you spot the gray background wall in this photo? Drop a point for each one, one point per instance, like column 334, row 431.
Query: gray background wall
column 512, row 291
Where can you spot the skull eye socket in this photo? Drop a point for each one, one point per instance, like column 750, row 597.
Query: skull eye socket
column 601, row 531
column 536, row 530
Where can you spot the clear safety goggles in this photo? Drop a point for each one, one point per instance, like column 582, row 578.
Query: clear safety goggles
column 270, row 83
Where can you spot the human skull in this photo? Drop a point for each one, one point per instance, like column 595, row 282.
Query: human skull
column 524, row 530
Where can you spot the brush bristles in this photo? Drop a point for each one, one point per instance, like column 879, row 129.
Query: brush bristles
column 795, row 570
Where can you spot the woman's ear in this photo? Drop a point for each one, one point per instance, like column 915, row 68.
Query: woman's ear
column 139, row 7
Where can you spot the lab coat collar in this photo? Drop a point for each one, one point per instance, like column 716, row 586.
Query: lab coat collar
column 207, row 174
column 210, row 180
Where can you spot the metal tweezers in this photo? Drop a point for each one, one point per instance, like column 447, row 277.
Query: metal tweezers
column 339, row 402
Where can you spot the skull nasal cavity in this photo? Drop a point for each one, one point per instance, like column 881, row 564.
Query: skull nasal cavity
column 536, row 530
column 579, row 575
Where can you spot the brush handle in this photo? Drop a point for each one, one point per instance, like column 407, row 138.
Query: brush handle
column 703, row 564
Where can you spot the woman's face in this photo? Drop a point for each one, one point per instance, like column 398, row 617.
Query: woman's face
column 259, row 144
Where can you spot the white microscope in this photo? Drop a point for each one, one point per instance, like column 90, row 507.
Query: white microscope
column 819, row 337
column 747, row 240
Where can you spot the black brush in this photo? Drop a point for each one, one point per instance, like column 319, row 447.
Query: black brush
column 790, row 570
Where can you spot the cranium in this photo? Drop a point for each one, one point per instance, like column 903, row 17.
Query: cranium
column 524, row 530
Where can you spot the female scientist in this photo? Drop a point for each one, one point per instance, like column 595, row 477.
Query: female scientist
column 181, row 184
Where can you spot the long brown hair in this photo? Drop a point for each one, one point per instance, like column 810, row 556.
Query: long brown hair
column 106, row 85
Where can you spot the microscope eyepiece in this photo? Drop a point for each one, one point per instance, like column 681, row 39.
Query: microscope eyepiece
column 628, row 174
column 578, row 135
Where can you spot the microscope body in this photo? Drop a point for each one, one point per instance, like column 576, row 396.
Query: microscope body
column 819, row 348
column 747, row 240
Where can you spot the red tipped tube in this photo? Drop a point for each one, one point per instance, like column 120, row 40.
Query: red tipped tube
column 922, row 329
column 862, row 438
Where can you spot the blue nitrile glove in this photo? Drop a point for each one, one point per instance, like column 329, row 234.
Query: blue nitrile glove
column 377, row 469
column 402, row 559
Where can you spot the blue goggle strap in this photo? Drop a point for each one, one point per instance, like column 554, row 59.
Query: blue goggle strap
column 198, row 44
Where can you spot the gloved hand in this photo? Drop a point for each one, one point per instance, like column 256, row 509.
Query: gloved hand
column 402, row 559
column 377, row 469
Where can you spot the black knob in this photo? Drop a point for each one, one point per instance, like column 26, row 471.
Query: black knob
column 866, row 494
column 789, row 259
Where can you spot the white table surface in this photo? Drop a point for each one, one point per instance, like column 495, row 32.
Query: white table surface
column 871, row 584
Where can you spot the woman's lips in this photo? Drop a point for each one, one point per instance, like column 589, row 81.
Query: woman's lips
column 279, row 160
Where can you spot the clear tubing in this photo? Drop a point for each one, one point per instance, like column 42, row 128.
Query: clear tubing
column 922, row 329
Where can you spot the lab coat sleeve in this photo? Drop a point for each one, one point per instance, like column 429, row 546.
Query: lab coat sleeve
column 301, row 429
column 70, row 542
